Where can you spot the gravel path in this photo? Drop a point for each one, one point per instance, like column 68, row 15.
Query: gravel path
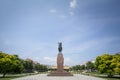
column 45, row 77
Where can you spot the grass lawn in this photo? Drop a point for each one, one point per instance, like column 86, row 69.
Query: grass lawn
column 12, row 76
column 116, row 77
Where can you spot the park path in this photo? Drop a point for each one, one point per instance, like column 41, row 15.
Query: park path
column 45, row 77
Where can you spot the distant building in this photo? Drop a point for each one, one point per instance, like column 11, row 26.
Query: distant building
column 55, row 68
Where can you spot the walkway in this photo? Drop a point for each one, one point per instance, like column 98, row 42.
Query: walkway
column 45, row 77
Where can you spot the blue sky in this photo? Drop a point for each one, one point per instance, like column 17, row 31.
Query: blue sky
column 87, row 28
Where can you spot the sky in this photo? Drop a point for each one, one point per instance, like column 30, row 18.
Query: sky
column 86, row 28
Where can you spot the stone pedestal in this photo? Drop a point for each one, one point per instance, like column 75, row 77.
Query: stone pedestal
column 60, row 71
column 57, row 73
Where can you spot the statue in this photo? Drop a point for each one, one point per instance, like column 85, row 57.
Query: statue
column 60, row 64
column 60, row 46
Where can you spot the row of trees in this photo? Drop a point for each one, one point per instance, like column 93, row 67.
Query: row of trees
column 31, row 66
column 89, row 66
column 106, row 63
column 13, row 64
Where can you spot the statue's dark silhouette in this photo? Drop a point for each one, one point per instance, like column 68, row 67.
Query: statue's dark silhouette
column 60, row 46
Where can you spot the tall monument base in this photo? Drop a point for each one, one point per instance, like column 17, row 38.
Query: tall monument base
column 57, row 73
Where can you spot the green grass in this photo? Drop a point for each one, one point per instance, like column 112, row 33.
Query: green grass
column 12, row 76
column 113, row 78
column 96, row 74
column 9, row 77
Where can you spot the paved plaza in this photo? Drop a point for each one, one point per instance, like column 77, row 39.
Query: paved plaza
column 45, row 77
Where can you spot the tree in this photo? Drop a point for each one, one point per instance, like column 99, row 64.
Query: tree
column 82, row 67
column 20, row 66
column 9, row 63
column 116, row 63
column 28, row 65
column 104, row 64
column 37, row 67
column 40, row 67
column 78, row 67
column 90, row 66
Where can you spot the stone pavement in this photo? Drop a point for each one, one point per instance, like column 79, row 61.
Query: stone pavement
column 45, row 77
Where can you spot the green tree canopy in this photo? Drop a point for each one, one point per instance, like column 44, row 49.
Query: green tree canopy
column 28, row 65
column 78, row 67
column 9, row 63
column 116, row 63
column 90, row 66
column 109, row 64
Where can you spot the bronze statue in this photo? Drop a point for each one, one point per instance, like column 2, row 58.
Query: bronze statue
column 60, row 46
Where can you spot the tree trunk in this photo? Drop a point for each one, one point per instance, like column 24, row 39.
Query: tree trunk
column 4, row 75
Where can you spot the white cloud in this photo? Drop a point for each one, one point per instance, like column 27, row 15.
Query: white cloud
column 71, row 13
column 53, row 60
column 68, row 61
column 70, row 47
column 73, row 4
column 93, row 44
column 37, row 59
column 52, row 11
column 50, row 60
column 62, row 16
